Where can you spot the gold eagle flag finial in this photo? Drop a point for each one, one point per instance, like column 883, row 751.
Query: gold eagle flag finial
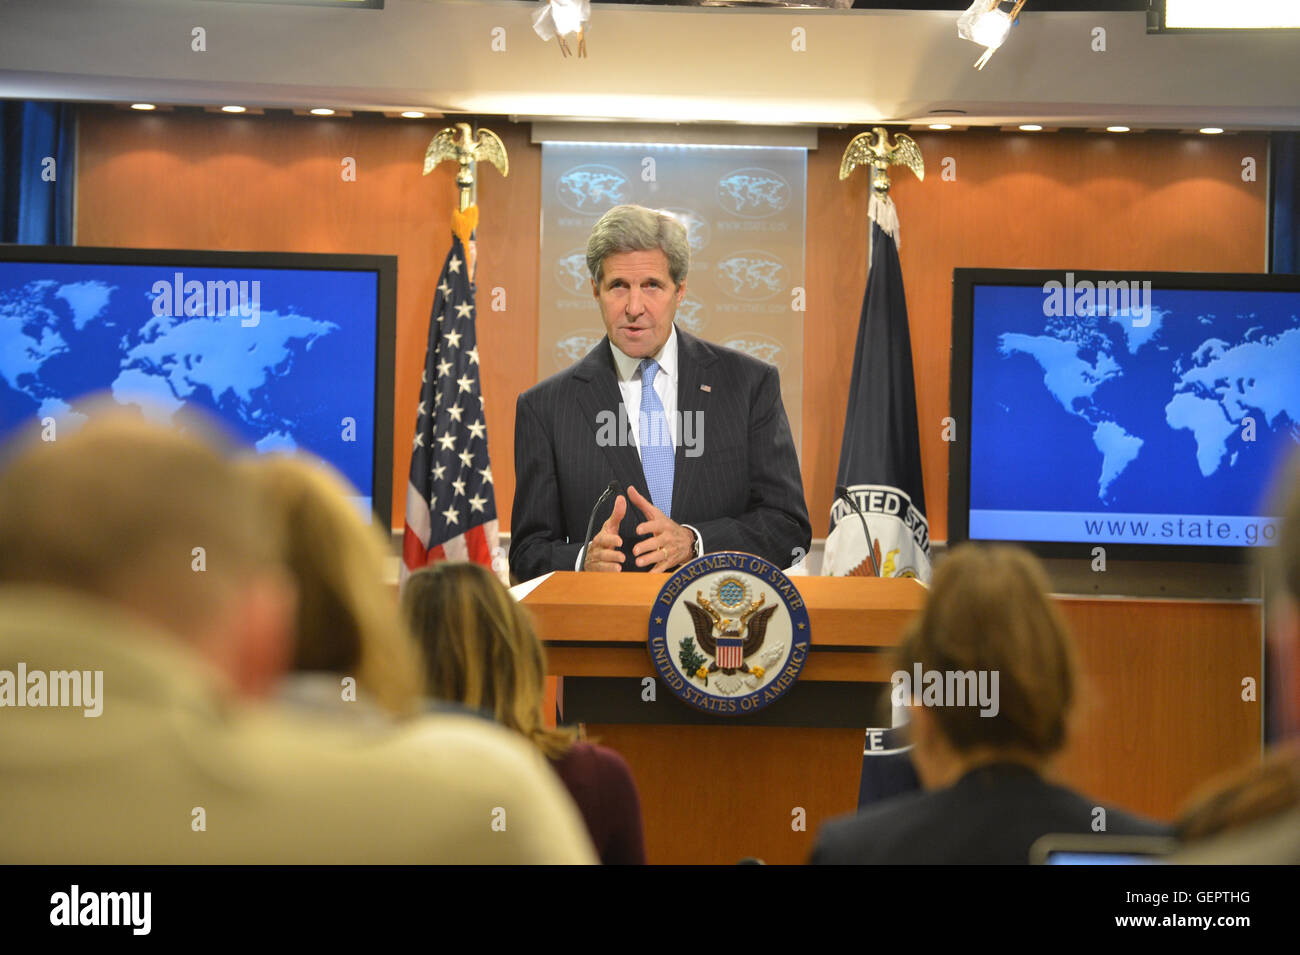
column 458, row 143
column 874, row 150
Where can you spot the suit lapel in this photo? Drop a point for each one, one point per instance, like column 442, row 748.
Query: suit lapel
column 598, row 400
column 694, row 359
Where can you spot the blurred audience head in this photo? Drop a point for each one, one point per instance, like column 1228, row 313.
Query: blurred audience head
column 159, row 523
column 1282, row 588
column 481, row 649
column 1246, row 796
column 988, row 613
column 348, row 622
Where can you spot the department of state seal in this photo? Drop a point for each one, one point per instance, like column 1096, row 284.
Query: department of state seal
column 729, row 633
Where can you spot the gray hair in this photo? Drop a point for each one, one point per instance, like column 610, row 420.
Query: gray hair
column 638, row 229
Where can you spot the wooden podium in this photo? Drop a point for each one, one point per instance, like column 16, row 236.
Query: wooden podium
column 716, row 789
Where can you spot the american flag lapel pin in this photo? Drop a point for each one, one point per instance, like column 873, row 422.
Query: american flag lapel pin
column 706, row 388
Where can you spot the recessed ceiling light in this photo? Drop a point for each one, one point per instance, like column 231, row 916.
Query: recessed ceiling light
column 412, row 114
column 941, row 126
column 1211, row 130
column 1031, row 128
column 321, row 111
column 233, row 109
column 1117, row 129
column 145, row 106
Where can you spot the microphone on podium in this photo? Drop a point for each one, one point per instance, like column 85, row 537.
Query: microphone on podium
column 842, row 493
column 610, row 489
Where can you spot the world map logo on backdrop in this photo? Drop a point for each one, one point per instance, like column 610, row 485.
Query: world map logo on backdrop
column 753, row 193
column 59, row 341
column 574, row 346
column 758, row 346
column 697, row 228
column 691, row 314
column 751, row 275
column 591, row 188
column 571, row 272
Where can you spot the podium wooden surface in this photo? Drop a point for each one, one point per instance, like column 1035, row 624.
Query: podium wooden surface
column 598, row 627
column 1161, row 709
column 722, row 791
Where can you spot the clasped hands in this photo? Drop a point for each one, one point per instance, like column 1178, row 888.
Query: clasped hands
column 667, row 545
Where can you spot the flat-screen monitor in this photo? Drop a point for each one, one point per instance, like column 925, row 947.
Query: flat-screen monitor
column 1146, row 412
column 1100, row 849
column 290, row 351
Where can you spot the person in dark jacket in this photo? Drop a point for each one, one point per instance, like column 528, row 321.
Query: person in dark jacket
column 988, row 672
column 481, row 650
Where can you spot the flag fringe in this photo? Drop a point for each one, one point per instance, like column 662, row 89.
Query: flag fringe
column 464, row 223
column 882, row 211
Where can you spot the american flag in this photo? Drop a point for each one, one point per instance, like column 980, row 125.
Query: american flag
column 451, row 510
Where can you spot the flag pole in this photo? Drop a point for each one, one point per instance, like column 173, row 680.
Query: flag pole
column 880, row 456
column 880, row 459
column 450, row 504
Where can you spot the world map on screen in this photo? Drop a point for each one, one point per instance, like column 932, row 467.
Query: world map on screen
column 1184, row 407
column 281, row 362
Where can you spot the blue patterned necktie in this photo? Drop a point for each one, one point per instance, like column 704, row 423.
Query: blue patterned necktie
column 655, row 441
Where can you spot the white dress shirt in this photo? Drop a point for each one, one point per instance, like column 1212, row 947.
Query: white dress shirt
column 628, row 371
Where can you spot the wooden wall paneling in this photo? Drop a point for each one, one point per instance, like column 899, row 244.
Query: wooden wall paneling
column 1016, row 200
column 1161, row 709
column 274, row 183
column 509, row 244
column 1154, row 201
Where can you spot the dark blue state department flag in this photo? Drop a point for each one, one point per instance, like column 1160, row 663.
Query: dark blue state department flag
column 451, row 509
column 880, row 459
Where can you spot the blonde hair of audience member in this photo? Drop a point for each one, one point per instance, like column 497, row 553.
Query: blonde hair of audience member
column 988, row 610
column 1258, row 792
column 348, row 620
column 1244, row 796
column 1281, row 574
column 158, row 523
column 481, row 649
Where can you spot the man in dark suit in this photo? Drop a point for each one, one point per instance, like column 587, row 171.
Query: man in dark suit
column 634, row 411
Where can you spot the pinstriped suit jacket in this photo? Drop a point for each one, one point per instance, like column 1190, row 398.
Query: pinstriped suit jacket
column 742, row 491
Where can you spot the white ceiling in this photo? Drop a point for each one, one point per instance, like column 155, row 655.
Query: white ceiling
column 656, row 63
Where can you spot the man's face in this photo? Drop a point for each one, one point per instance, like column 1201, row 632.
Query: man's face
column 638, row 301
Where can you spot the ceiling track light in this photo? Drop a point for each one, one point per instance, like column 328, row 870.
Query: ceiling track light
column 987, row 24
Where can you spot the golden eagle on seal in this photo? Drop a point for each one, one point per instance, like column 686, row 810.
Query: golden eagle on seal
column 750, row 626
